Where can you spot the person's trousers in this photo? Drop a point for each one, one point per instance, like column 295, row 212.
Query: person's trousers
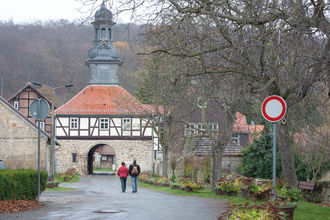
column 123, row 183
column 134, row 183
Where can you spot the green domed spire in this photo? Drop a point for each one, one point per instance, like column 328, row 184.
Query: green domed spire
column 103, row 58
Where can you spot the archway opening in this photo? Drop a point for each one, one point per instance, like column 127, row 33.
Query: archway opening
column 101, row 158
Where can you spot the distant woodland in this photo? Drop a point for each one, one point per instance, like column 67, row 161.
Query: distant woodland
column 54, row 53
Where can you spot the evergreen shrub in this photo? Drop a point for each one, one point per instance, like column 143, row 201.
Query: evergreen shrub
column 21, row 184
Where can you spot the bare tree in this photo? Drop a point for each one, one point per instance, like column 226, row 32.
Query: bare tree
column 277, row 47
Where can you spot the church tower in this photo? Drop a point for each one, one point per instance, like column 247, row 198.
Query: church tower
column 103, row 58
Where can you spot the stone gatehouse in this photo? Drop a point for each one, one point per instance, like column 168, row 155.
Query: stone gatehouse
column 125, row 151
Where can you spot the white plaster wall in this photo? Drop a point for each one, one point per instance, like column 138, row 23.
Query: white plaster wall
column 84, row 123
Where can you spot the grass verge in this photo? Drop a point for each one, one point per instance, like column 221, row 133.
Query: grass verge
column 304, row 210
column 60, row 188
column 60, row 179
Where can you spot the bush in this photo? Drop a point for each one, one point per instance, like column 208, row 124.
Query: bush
column 192, row 186
column 257, row 159
column 21, row 184
column 229, row 184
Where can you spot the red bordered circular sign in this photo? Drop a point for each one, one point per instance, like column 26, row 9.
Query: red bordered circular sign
column 273, row 108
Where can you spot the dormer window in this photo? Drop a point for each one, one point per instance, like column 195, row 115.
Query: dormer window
column 201, row 102
column 236, row 139
column 16, row 105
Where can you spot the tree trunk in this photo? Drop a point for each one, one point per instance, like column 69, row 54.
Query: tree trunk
column 286, row 155
column 216, row 166
column 165, row 160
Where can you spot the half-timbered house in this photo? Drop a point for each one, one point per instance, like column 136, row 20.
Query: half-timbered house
column 103, row 113
column 22, row 100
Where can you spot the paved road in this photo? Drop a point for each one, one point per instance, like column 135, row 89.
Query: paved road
column 95, row 193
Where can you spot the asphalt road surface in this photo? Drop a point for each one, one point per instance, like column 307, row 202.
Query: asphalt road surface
column 100, row 197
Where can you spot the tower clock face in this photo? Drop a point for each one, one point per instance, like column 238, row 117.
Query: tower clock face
column 104, row 43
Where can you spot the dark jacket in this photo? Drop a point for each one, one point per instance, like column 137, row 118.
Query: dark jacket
column 131, row 168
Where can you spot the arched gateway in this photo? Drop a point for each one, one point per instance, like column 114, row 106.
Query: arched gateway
column 100, row 156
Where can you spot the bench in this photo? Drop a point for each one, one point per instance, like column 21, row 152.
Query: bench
column 306, row 185
column 307, row 189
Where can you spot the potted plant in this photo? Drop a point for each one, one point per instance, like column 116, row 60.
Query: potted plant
column 261, row 192
column 283, row 207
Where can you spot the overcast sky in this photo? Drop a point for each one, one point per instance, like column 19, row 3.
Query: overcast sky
column 29, row 11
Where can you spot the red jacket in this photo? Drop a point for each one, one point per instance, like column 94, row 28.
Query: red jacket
column 122, row 171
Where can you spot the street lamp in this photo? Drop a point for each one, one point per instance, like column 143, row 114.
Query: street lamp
column 52, row 152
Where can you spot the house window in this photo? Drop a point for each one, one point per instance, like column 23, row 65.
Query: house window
column 74, row 157
column 199, row 128
column 104, row 157
column 16, row 105
column 42, row 125
column 104, row 123
column 126, row 124
column 159, row 154
column 235, row 139
column 189, row 129
column 73, row 123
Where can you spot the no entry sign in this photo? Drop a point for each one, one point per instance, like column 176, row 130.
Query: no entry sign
column 273, row 108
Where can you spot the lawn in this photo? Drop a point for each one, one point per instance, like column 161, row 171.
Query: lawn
column 58, row 178
column 304, row 210
column 60, row 188
column 74, row 179
column 103, row 169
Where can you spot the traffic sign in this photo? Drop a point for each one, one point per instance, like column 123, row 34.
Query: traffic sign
column 39, row 109
column 273, row 108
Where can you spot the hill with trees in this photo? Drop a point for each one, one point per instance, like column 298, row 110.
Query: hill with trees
column 54, row 53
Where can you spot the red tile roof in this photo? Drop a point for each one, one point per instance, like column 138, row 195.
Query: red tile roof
column 107, row 151
column 102, row 99
column 240, row 124
column 256, row 131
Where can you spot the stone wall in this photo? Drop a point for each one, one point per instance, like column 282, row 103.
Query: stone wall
column 19, row 141
column 230, row 164
column 125, row 150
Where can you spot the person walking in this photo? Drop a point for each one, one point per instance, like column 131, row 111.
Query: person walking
column 134, row 171
column 123, row 174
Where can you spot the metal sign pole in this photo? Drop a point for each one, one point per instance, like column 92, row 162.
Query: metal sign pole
column 39, row 103
column 274, row 160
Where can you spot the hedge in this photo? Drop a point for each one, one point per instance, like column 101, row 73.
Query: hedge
column 21, row 184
